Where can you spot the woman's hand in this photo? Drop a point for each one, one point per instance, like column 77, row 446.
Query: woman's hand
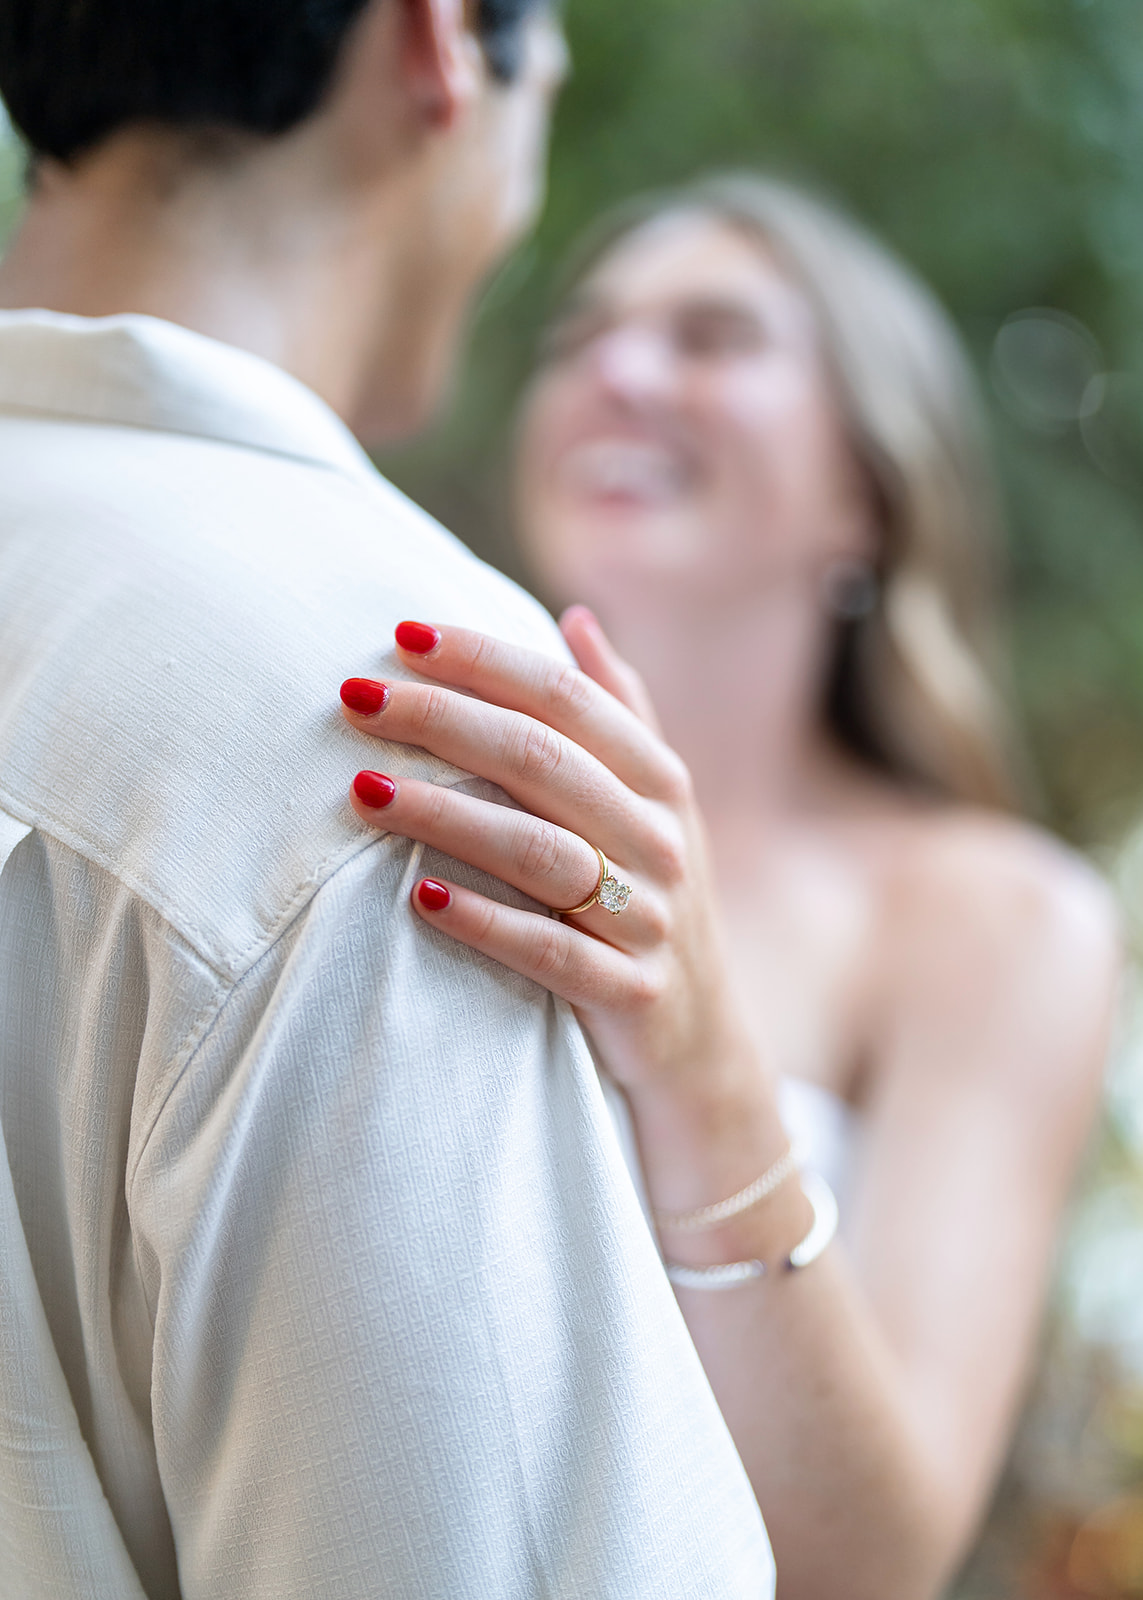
column 579, row 751
column 802, row 1374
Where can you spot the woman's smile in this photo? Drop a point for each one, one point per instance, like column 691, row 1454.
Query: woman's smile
column 622, row 472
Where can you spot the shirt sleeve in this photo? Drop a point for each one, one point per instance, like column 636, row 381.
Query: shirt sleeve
column 411, row 1335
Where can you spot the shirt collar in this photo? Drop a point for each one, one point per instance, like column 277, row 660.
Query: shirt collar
column 141, row 372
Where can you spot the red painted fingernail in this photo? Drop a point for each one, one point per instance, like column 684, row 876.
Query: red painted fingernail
column 375, row 789
column 364, row 696
column 417, row 637
column 433, row 895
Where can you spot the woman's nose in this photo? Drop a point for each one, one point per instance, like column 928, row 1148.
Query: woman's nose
column 633, row 363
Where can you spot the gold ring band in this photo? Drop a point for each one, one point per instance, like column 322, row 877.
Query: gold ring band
column 612, row 895
column 593, row 897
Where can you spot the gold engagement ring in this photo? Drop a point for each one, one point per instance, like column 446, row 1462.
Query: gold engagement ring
column 609, row 893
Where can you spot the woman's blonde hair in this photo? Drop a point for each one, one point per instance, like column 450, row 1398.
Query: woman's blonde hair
column 913, row 688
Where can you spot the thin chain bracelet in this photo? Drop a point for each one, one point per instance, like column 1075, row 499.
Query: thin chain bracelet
column 731, row 1274
column 754, row 1193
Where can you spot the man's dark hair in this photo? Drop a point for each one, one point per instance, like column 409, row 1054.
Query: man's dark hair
column 74, row 71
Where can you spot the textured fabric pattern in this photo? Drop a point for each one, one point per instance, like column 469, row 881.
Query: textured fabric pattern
column 322, row 1272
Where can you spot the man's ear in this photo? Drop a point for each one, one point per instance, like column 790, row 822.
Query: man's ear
column 410, row 68
column 441, row 61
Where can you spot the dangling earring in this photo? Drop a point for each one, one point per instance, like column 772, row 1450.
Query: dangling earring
column 850, row 588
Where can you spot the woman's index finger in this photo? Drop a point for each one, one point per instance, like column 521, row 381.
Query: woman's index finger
column 551, row 691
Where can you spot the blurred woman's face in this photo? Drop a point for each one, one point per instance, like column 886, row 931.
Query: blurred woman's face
column 683, row 429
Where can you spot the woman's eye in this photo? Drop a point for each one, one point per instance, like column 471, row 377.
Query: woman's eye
column 719, row 333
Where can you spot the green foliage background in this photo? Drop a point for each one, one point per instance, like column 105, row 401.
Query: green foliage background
column 999, row 145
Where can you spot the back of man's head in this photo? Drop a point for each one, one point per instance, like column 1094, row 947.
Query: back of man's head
column 73, row 72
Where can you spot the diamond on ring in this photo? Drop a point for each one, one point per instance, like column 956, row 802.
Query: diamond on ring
column 609, row 893
column 614, row 896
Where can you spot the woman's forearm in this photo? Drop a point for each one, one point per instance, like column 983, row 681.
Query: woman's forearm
column 811, row 1393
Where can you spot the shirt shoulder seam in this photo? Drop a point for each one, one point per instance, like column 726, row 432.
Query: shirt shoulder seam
column 242, row 960
column 210, row 1017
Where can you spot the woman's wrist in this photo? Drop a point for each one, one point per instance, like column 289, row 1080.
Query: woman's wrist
column 768, row 1233
column 705, row 1139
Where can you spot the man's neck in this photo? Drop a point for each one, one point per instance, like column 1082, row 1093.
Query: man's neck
column 238, row 251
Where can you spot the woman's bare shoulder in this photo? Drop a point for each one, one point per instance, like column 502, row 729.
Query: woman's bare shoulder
column 962, row 865
column 985, row 871
column 993, row 924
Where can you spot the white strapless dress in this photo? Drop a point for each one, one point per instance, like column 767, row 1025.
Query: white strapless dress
column 825, row 1129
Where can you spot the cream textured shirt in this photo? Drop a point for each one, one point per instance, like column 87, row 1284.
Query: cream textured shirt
column 320, row 1271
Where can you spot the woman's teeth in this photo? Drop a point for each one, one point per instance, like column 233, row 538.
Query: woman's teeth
column 625, row 468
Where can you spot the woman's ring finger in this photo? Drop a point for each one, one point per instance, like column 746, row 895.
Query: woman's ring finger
column 541, row 859
column 609, row 893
